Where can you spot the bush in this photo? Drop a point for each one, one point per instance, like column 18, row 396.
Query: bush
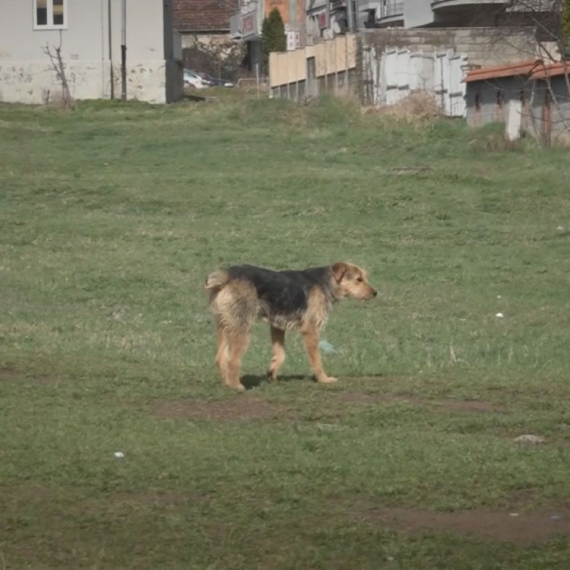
column 272, row 36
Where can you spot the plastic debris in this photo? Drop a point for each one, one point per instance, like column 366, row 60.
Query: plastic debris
column 499, row 315
column 529, row 438
column 119, row 454
column 327, row 347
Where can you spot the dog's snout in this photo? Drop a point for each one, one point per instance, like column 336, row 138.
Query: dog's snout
column 374, row 292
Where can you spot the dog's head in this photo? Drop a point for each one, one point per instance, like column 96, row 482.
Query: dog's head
column 352, row 281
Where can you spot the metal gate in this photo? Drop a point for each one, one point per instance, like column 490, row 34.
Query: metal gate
column 397, row 72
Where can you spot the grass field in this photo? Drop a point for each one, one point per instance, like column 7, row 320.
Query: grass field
column 110, row 218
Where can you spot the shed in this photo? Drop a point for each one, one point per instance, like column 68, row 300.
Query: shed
column 551, row 101
column 490, row 90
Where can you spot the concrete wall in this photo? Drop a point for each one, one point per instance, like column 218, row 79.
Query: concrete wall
column 418, row 13
column 25, row 72
column 483, row 46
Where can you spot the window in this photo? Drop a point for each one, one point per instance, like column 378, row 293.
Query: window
column 50, row 14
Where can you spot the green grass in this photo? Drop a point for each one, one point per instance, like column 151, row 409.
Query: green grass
column 110, row 218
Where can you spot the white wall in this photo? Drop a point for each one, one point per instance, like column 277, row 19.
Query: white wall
column 25, row 72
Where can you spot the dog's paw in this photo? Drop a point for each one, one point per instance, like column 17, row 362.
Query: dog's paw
column 327, row 380
column 239, row 387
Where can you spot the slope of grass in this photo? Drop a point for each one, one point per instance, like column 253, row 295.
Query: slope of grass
column 110, row 218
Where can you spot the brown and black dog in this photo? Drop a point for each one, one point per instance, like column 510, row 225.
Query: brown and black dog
column 287, row 300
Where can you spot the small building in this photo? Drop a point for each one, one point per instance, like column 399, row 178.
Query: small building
column 533, row 96
column 550, row 107
column 203, row 21
column 89, row 36
column 490, row 90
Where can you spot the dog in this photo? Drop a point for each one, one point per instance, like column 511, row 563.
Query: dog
column 287, row 300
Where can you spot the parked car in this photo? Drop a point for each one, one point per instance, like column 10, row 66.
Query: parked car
column 192, row 79
column 213, row 81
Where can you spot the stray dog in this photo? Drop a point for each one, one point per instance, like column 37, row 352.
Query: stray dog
column 287, row 300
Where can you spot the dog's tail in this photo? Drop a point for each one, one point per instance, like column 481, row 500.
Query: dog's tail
column 217, row 280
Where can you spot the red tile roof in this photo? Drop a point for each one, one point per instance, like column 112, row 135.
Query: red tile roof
column 203, row 15
column 523, row 68
column 552, row 70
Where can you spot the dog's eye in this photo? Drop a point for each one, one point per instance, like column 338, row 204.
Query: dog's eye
column 359, row 279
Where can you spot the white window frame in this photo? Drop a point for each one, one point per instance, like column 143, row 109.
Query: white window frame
column 50, row 25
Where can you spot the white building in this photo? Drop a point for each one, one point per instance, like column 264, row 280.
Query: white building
column 90, row 34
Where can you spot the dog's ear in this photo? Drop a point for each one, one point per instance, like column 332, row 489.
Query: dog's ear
column 339, row 269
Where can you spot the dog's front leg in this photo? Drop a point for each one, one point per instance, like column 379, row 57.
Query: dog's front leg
column 311, row 338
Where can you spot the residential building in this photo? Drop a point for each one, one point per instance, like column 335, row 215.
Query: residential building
column 89, row 37
column 327, row 18
column 452, row 13
column 205, row 21
column 246, row 23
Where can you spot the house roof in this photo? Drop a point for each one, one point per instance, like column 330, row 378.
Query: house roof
column 203, row 15
column 552, row 70
column 486, row 73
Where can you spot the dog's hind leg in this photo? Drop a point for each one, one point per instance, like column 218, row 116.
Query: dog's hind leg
column 238, row 342
column 311, row 338
column 278, row 347
column 222, row 352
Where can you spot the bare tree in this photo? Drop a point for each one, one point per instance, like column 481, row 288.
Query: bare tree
column 58, row 67
column 550, row 20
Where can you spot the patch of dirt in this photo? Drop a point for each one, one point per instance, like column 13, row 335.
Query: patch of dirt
column 471, row 406
column 9, row 374
column 160, row 498
column 241, row 408
column 361, row 398
column 521, row 528
column 455, row 405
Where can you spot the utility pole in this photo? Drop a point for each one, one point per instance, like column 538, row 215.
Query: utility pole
column 124, row 50
column 111, row 48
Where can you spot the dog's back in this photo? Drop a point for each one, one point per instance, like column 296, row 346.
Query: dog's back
column 280, row 297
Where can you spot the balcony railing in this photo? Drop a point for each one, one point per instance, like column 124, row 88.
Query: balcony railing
column 391, row 9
